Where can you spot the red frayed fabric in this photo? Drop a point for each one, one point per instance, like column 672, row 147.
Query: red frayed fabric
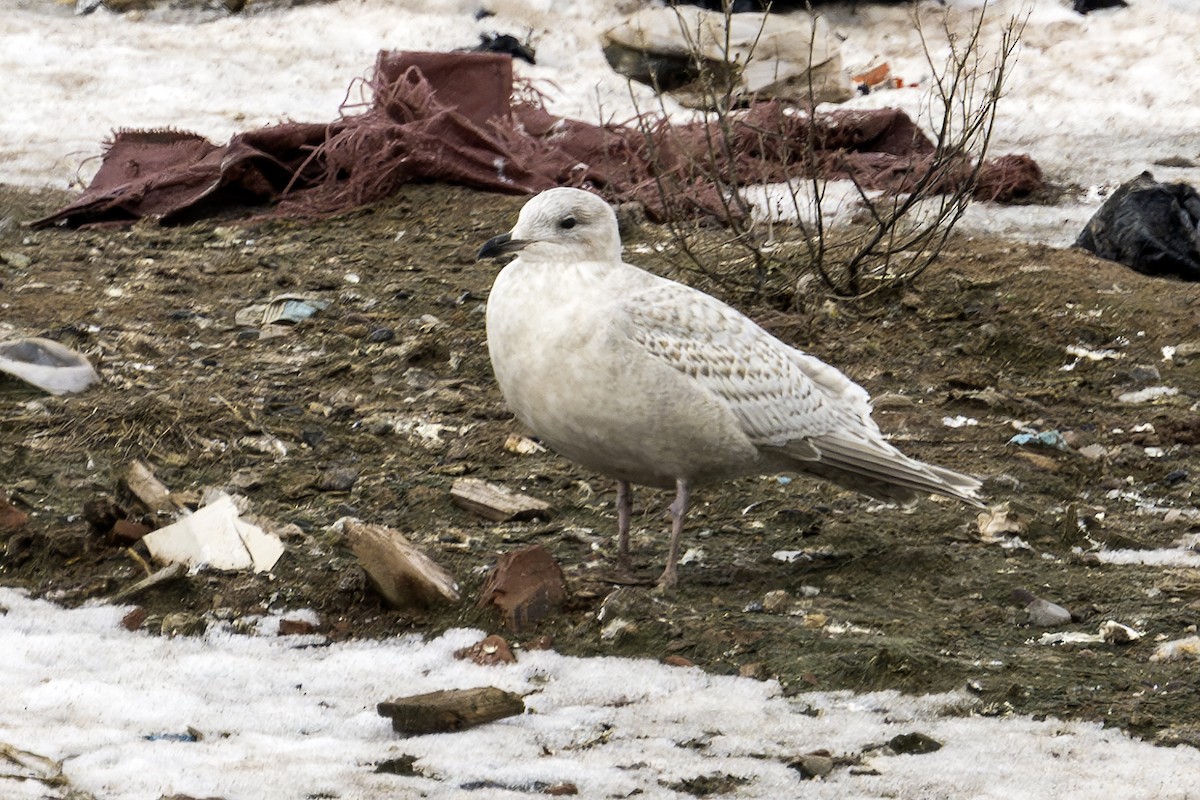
column 452, row 118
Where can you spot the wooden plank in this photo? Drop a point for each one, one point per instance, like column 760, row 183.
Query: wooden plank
column 496, row 502
column 146, row 487
column 403, row 574
column 450, row 710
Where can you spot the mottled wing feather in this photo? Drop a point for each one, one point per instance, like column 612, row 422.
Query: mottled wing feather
column 780, row 395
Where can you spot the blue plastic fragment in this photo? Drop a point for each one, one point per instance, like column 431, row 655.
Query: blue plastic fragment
column 1045, row 438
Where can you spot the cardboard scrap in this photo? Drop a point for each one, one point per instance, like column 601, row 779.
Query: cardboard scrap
column 216, row 536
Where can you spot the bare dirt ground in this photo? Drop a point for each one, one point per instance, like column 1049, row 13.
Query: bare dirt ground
column 389, row 390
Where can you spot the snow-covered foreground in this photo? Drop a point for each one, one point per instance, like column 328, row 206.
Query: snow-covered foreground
column 1095, row 99
column 282, row 719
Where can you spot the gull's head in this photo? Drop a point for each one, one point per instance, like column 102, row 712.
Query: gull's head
column 561, row 225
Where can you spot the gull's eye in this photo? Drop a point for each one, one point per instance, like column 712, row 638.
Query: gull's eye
column 567, row 223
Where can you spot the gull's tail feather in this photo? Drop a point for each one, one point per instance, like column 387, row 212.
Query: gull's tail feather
column 879, row 470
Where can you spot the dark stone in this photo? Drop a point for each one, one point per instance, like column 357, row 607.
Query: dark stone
column 914, row 744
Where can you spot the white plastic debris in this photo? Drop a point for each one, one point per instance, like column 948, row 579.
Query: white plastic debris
column 998, row 522
column 1114, row 632
column 216, row 536
column 1177, row 650
column 959, row 421
column 1148, row 394
column 1079, row 351
column 47, row 365
column 1068, row 637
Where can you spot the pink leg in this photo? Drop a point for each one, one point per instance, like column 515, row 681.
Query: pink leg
column 678, row 510
column 624, row 519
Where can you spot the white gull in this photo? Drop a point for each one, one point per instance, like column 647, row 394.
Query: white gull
column 654, row 383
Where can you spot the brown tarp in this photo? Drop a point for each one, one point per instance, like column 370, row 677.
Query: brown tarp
column 452, row 117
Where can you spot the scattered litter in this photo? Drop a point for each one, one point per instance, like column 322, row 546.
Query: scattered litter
column 1148, row 394
column 996, row 523
column 1079, row 351
column 877, row 79
column 398, row 570
column 265, row 444
column 188, row 736
column 959, row 422
column 1093, row 452
column 507, row 44
column 291, row 309
column 694, row 555
column 215, row 536
column 1114, row 632
column 1068, row 637
column 522, row 445
column 1178, row 650
column 47, row 365
column 450, row 710
column 496, row 502
column 1148, row 226
column 698, row 55
column 1045, row 438
column 790, row 556
column 1165, row 557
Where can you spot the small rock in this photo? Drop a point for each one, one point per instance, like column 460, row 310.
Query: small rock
column 183, row 623
column 526, row 586
column 1042, row 613
column 404, row 765
column 16, row 259
column 754, row 670
column 678, row 661
column 127, row 531
column 378, row 335
column 563, row 789
column 913, row 744
column 337, row 479
column 134, row 618
column 1145, row 373
column 777, row 602
column 296, row 627
column 816, row 764
column 12, row 519
column 488, row 652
